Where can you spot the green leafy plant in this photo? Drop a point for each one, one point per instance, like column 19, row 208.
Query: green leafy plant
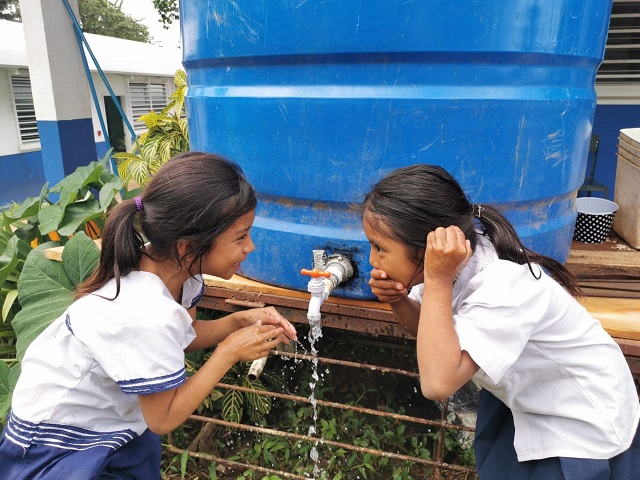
column 237, row 404
column 45, row 290
column 14, row 253
column 45, row 287
column 167, row 134
column 358, row 388
column 83, row 199
column 75, row 205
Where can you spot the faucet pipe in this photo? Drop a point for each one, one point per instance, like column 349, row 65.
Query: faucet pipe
column 325, row 277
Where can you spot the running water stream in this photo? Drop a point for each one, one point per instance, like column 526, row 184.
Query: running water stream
column 315, row 332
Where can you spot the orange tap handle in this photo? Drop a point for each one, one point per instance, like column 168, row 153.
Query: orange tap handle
column 315, row 273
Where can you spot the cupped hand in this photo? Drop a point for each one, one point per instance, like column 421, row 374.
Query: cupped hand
column 448, row 251
column 268, row 316
column 252, row 342
column 384, row 288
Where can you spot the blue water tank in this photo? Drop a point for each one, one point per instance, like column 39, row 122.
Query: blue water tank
column 317, row 100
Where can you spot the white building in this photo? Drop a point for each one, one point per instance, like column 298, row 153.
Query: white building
column 139, row 74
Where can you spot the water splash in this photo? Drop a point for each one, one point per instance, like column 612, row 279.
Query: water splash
column 315, row 332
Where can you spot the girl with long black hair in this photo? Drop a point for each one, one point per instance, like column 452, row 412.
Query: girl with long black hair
column 101, row 384
column 558, row 399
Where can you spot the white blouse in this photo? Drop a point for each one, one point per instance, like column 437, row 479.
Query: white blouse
column 81, row 376
column 540, row 352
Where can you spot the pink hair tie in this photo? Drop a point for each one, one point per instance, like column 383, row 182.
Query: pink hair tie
column 138, row 201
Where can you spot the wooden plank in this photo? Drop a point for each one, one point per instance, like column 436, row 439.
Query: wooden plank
column 611, row 259
column 239, row 283
column 619, row 316
column 55, row 253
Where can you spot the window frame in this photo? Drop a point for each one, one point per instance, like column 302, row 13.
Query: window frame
column 24, row 128
column 621, row 63
column 155, row 100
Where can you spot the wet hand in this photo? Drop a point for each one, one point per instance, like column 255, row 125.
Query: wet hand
column 448, row 251
column 269, row 316
column 252, row 342
column 384, row 288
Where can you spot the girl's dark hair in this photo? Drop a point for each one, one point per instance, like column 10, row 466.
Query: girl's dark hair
column 413, row 201
column 193, row 198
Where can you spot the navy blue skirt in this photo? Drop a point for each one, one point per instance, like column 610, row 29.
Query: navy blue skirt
column 138, row 459
column 496, row 457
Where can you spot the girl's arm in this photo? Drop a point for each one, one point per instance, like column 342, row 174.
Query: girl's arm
column 212, row 332
column 407, row 313
column 164, row 411
column 443, row 367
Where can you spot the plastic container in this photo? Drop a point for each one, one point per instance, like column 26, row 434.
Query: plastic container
column 318, row 101
column 594, row 220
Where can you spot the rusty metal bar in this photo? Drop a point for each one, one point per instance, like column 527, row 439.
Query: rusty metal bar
column 440, row 443
column 213, row 458
column 324, row 441
column 346, row 363
column 342, row 406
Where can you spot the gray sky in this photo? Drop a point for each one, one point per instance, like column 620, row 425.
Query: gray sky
column 143, row 11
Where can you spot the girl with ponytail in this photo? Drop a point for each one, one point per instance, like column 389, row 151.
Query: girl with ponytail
column 101, row 384
column 557, row 400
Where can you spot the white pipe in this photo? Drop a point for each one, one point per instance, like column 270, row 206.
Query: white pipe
column 256, row 368
column 315, row 302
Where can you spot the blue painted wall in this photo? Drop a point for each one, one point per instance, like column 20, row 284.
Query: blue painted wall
column 608, row 121
column 101, row 149
column 22, row 176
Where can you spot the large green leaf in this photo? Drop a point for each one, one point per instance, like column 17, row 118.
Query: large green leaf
column 44, row 291
column 28, row 208
column 8, row 379
column 8, row 259
column 108, row 191
column 49, row 218
column 78, row 214
column 232, row 406
column 8, row 303
column 260, row 403
column 80, row 258
column 81, row 177
column 5, row 390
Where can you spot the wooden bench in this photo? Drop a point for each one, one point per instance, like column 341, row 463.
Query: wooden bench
column 620, row 317
column 607, row 263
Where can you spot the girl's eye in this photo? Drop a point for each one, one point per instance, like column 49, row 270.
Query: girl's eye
column 243, row 237
column 378, row 248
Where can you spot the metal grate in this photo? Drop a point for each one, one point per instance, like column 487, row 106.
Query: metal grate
column 622, row 54
column 25, row 110
column 146, row 97
column 444, row 423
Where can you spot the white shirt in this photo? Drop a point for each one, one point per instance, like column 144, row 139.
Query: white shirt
column 541, row 353
column 81, row 376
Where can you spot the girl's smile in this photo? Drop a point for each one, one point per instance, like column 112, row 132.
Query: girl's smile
column 230, row 249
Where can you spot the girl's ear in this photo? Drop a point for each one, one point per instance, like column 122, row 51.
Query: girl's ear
column 418, row 254
column 184, row 252
column 182, row 246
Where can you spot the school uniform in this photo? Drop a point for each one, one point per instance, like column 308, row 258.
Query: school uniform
column 75, row 412
column 556, row 384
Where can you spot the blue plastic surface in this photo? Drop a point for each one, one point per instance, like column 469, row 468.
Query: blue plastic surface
column 318, row 100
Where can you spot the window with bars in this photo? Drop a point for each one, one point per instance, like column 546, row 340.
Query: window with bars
column 25, row 110
column 145, row 97
column 622, row 55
